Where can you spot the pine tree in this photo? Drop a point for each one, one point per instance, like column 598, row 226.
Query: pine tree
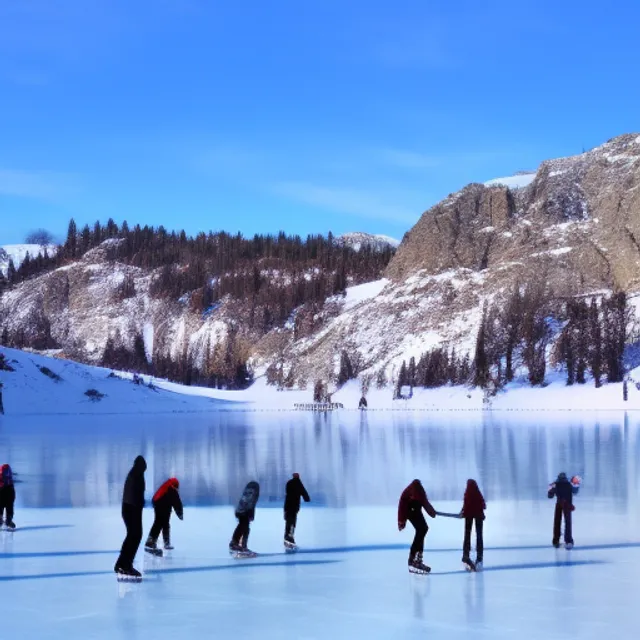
column 595, row 352
column 71, row 244
column 480, row 361
column 346, row 370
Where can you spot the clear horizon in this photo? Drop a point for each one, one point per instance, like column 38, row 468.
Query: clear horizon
column 302, row 118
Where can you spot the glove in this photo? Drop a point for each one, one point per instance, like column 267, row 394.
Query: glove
column 181, row 517
column 401, row 525
column 576, row 481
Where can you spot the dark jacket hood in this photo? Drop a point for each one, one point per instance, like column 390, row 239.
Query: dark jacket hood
column 140, row 464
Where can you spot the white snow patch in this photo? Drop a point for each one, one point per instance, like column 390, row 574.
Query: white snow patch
column 18, row 253
column 360, row 293
column 513, row 182
column 552, row 252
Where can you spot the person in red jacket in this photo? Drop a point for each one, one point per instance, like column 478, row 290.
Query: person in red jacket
column 473, row 511
column 412, row 501
column 164, row 500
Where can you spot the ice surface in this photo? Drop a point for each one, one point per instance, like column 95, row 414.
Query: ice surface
column 350, row 578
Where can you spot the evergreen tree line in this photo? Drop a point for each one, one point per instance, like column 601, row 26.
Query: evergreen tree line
column 223, row 365
column 434, row 368
column 194, row 262
column 592, row 338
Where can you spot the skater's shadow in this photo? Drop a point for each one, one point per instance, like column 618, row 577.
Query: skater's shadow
column 355, row 549
column 43, row 527
column 518, row 567
column 55, row 554
column 537, row 547
column 157, row 573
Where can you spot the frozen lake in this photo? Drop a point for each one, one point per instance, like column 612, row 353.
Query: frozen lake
column 350, row 578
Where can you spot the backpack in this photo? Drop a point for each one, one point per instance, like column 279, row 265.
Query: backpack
column 6, row 476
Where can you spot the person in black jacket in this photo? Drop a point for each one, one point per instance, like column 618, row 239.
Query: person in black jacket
column 563, row 490
column 164, row 500
column 294, row 491
column 132, row 506
column 7, row 496
column 245, row 512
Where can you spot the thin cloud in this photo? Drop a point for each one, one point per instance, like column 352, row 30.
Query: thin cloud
column 409, row 159
column 37, row 185
column 354, row 202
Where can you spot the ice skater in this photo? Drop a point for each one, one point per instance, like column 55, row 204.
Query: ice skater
column 473, row 507
column 132, row 506
column 245, row 512
column 164, row 500
column 563, row 490
column 412, row 501
column 7, row 497
column 294, row 491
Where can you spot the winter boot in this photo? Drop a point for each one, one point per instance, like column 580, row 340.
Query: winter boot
column 289, row 539
column 234, row 546
column 11, row 525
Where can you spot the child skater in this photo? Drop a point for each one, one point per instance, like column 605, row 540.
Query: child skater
column 245, row 512
column 164, row 500
column 412, row 501
column 294, row 491
column 563, row 491
column 7, row 496
column 473, row 511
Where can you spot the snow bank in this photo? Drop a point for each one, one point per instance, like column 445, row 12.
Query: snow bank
column 18, row 252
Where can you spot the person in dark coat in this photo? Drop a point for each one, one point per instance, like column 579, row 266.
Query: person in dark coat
column 164, row 500
column 132, row 506
column 473, row 507
column 7, row 496
column 294, row 490
column 245, row 512
column 412, row 501
column 563, row 490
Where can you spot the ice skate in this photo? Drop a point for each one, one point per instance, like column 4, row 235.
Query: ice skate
column 478, row 565
column 416, row 565
column 168, row 546
column 290, row 543
column 469, row 565
column 150, row 546
column 568, row 545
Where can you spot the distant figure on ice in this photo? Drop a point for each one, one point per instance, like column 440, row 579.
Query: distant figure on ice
column 132, row 506
column 164, row 500
column 294, row 491
column 7, row 496
column 363, row 403
column 473, row 511
column 412, row 500
column 563, row 490
column 1, row 405
column 245, row 512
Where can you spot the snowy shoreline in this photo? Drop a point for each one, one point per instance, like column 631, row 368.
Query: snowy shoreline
column 43, row 385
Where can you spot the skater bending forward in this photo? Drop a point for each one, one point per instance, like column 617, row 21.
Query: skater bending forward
column 563, row 491
column 245, row 512
column 473, row 512
column 132, row 506
column 294, row 491
column 412, row 501
column 7, row 496
column 164, row 500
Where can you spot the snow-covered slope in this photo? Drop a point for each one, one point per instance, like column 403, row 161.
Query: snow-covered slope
column 45, row 385
column 357, row 240
column 18, row 252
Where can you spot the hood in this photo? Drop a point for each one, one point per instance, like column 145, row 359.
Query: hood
column 562, row 477
column 173, row 482
column 140, row 464
column 472, row 485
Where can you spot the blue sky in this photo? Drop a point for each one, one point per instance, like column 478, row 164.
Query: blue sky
column 300, row 115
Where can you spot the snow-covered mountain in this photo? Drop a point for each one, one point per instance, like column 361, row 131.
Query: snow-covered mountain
column 357, row 240
column 575, row 224
column 18, row 252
